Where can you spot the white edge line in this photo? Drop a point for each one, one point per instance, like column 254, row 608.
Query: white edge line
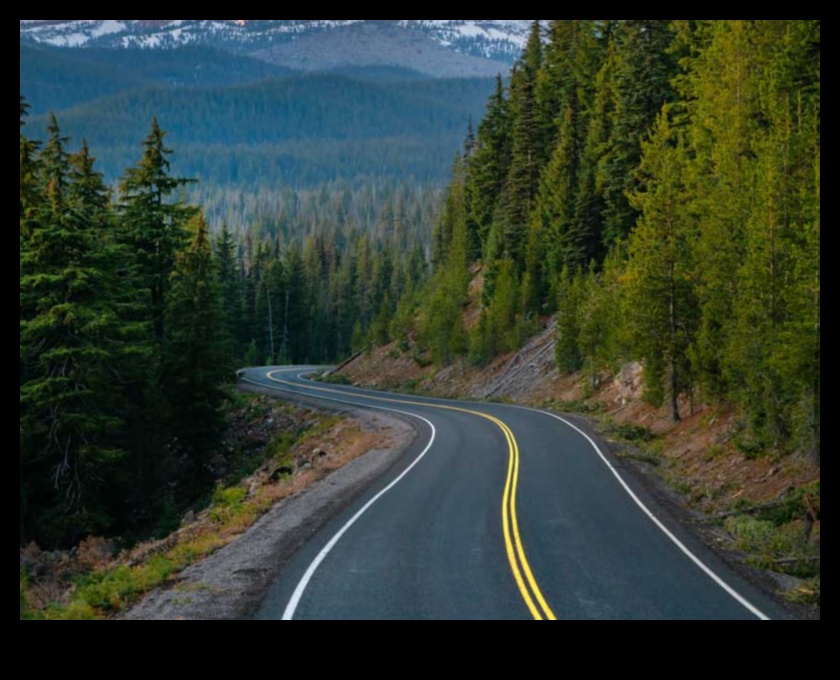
column 707, row 570
column 300, row 591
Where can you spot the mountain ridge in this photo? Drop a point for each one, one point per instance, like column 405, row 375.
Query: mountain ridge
column 494, row 39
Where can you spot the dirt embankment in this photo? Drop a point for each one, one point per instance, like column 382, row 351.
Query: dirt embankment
column 700, row 450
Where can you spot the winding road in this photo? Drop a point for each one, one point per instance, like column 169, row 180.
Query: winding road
column 499, row 513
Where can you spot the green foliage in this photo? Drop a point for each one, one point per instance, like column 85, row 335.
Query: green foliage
column 633, row 433
column 72, row 341
column 502, row 327
column 153, row 222
column 196, row 362
column 768, row 542
column 24, row 604
column 661, row 295
column 227, row 503
column 237, row 126
column 679, row 163
column 335, row 379
column 571, row 294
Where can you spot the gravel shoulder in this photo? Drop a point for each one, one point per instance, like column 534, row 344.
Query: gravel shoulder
column 231, row 584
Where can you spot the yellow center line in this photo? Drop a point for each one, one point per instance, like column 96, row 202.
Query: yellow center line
column 526, row 583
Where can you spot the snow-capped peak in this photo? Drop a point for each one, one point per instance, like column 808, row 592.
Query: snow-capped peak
column 500, row 39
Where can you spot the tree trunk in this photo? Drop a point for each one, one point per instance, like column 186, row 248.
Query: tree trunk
column 674, row 361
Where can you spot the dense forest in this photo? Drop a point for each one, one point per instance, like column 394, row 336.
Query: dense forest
column 656, row 185
column 133, row 316
column 235, row 121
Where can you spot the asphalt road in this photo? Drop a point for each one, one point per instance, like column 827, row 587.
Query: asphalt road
column 500, row 513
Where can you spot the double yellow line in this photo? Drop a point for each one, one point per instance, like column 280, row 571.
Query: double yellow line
column 522, row 572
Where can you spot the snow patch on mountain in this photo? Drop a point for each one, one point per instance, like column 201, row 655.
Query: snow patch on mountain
column 499, row 39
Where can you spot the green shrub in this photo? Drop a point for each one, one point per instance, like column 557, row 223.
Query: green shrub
column 335, row 379
column 24, row 605
column 633, row 433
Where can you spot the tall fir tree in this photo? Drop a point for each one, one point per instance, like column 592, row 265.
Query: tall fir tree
column 661, row 296
column 233, row 293
column 196, row 363
column 721, row 100
column 571, row 293
column 69, row 400
column 154, row 220
column 643, row 70
column 528, row 149
column 487, row 167
column 24, row 109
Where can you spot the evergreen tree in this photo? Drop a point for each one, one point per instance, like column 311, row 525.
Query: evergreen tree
column 602, row 338
column 69, row 400
column 571, row 292
column 528, row 149
column 721, row 100
column 661, row 295
column 196, row 363
column 24, row 109
column 153, row 222
column 233, row 296
column 487, row 167
column 565, row 227
column 454, row 218
column 644, row 68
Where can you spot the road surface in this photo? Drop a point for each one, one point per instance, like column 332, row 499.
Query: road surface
column 499, row 513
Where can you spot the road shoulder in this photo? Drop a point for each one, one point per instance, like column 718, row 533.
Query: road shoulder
column 232, row 583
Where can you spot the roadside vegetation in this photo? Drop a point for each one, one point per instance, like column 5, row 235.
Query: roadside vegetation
column 272, row 452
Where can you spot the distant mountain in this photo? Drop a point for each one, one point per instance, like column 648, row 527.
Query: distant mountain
column 494, row 39
column 55, row 79
column 375, row 44
column 267, row 103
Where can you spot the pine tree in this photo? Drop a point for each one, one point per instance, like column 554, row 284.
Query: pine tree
column 153, row 222
column 644, row 67
column 195, row 364
column 571, row 294
column 441, row 327
column 454, row 216
column 68, row 337
column 528, row 150
column 233, row 295
column 296, row 303
column 565, row 227
column 721, row 101
column 661, row 296
column 487, row 167
column 24, row 110
column 770, row 336
column 602, row 339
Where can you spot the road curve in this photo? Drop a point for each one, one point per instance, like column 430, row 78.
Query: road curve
column 499, row 513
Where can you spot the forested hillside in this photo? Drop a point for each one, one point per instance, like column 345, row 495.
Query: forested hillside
column 239, row 122
column 657, row 186
column 133, row 317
